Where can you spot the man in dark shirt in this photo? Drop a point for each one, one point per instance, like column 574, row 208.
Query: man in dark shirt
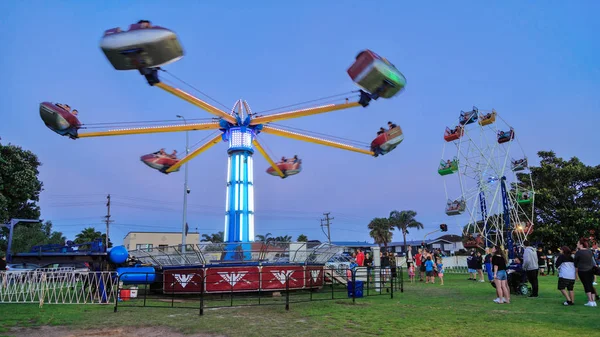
column 2, row 262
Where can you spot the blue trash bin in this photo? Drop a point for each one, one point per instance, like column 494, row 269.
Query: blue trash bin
column 357, row 289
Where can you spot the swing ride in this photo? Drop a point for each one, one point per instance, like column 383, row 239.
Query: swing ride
column 147, row 48
column 481, row 180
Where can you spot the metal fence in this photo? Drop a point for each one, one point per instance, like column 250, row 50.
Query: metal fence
column 283, row 290
column 58, row 287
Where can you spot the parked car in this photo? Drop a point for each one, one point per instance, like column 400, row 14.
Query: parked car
column 19, row 270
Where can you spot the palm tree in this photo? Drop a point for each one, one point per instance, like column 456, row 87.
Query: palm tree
column 214, row 237
column 285, row 238
column 381, row 231
column 403, row 221
column 264, row 238
column 88, row 234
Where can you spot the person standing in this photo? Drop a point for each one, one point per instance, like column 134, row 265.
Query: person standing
column 360, row 258
column 2, row 270
column 530, row 265
column 500, row 276
column 479, row 266
column 566, row 274
column 488, row 265
column 550, row 262
column 584, row 264
column 409, row 257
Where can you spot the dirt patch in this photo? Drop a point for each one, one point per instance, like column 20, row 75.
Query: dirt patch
column 59, row 331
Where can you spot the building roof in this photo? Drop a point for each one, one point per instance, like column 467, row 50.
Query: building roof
column 353, row 243
column 450, row 238
column 143, row 232
column 413, row 243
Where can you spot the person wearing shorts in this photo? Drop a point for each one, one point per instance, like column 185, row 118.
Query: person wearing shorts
column 429, row 266
column 566, row 274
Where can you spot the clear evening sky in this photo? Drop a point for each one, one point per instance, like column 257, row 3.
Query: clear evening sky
column 535, row 62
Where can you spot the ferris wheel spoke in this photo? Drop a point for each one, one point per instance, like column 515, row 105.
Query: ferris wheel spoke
column 268, row 158
column 151, row 129
column 214, row 141
column 315, row 140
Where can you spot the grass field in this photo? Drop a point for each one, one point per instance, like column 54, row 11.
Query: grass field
column 459, row 308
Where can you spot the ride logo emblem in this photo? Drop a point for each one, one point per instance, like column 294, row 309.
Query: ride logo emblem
column 184, row 279
column 315, row 275
column 232, row 278
column 283, row 275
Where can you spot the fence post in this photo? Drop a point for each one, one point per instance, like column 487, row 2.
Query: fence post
column 202, row 294
column 392, row 286
column 353, row 273
column 118, row 292
column 332, row 282
column 287, row 293
column 401, row 280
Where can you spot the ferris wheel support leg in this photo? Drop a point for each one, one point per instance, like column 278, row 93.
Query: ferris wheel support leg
column 507, row 227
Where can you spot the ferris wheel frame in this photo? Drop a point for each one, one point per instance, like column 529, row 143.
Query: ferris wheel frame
column 500, row 211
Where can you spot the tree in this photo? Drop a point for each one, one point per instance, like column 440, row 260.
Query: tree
column 381, row 231
column 285, row 238
column 214, row 237
column 90, row 234
column 264, row 238
column 566, row 200
column 302, row 238
column 19, row 188
column 27, row 235
column 403, row 221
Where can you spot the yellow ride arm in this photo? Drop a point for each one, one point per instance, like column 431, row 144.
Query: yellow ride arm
column 196, row 101
column 269, row 160
column 196, row 152
column 311, row 139
column 302, row 112
column 151, row 129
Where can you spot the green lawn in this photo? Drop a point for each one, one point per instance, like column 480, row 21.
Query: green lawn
column 459, row 308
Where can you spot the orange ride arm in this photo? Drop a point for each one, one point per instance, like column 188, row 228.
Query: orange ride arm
column 196, row 101
column 311, row 139
column 269, row 160
column 151, row 129
column 302, row 112
column 217, row 139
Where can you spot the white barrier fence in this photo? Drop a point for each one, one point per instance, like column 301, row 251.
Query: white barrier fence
column 58, row 287
column 452, row 264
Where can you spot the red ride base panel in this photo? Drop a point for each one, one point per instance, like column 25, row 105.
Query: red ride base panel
column 183, row 281
column 222, row 279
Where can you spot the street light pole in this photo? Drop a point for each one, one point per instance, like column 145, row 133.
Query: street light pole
column 186, row 190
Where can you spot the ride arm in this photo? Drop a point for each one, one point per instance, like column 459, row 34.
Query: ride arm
column 310, row 139
column 217, row 139
column 151, row 129
column 196, row 101
column 363, row 101
column 269, row 160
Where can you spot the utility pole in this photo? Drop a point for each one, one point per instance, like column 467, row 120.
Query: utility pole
column 108, row 221
column 327, row 223
column 186, row 190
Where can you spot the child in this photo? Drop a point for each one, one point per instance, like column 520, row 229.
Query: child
column 440, row 269
column 429, row 270
column 411, row 273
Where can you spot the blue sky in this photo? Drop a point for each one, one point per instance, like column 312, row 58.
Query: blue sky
column 536, row 63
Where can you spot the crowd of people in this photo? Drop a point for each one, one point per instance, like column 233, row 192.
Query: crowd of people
column 163, row 153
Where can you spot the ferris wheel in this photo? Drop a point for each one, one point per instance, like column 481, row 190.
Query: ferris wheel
column 481, row 159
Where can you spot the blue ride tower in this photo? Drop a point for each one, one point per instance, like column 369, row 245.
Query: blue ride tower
column 239, row 206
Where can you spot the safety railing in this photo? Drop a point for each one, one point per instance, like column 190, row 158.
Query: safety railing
column 200, row 289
